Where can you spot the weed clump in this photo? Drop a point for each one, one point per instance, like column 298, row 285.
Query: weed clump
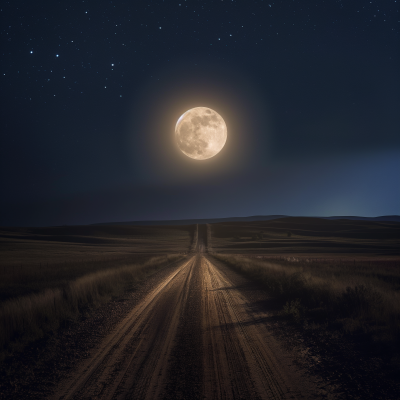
column 357, row 300
column 294, row 308
column 27, row 318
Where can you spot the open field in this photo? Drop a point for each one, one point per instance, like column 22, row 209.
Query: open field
column 50, row 275
column 188, row 333
column 341, row 271
column 331, row 277
column 218, row 318
column 364, row 299
column 77, row 243
column 36, row 259
column 309, row 238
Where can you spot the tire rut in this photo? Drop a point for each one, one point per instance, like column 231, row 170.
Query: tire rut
column 194, row 336
column 112, row 362
column 247, row 358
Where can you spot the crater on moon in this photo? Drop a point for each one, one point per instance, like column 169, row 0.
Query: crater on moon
column 200, row 133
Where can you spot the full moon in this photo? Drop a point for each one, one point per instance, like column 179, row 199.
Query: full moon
column 200, row 133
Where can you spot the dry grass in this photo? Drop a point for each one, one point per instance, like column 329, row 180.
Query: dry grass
column 34, row 278
column 51, row 275
column 195, row 238
column 362, row 299
column 54, row 245
column 33, row 260
column 308, row 237
column 28, row 318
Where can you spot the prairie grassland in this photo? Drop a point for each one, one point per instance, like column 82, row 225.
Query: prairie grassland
column 308, row 237
column 352, row 283
column 51, row 275
column 33, row 278
column 80, row 243
column 362, row 299
column 36, row 259
column 24, row 319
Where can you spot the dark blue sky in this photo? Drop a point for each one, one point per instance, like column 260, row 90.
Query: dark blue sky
column 91, row 91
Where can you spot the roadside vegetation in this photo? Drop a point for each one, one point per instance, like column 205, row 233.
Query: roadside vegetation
column 26, row 318
column 308, row 237
column 362, row 299
column 195, row 238
column 209, row 238
column 35, row 277
column 36, row 259
column 49, row 276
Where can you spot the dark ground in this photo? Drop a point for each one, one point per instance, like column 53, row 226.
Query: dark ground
column 343, row 367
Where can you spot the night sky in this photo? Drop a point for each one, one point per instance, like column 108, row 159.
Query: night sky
column 91, row 92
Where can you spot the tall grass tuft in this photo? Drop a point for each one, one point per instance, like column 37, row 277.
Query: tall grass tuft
column 363, row 300
column 28, row 318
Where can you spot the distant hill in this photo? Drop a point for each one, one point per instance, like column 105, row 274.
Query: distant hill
column 385, row 218
column 197, row 221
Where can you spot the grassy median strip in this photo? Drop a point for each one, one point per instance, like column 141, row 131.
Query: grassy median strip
column 364, row 299
column 27, row 318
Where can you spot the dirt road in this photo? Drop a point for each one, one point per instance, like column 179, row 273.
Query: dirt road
column 194, row 336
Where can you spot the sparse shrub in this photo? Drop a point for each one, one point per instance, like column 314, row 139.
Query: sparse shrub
column 360, row 301
column 294, row 308
column 27, row 318
column 356, row 299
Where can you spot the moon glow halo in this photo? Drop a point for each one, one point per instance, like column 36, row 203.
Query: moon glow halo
column 200, row 133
